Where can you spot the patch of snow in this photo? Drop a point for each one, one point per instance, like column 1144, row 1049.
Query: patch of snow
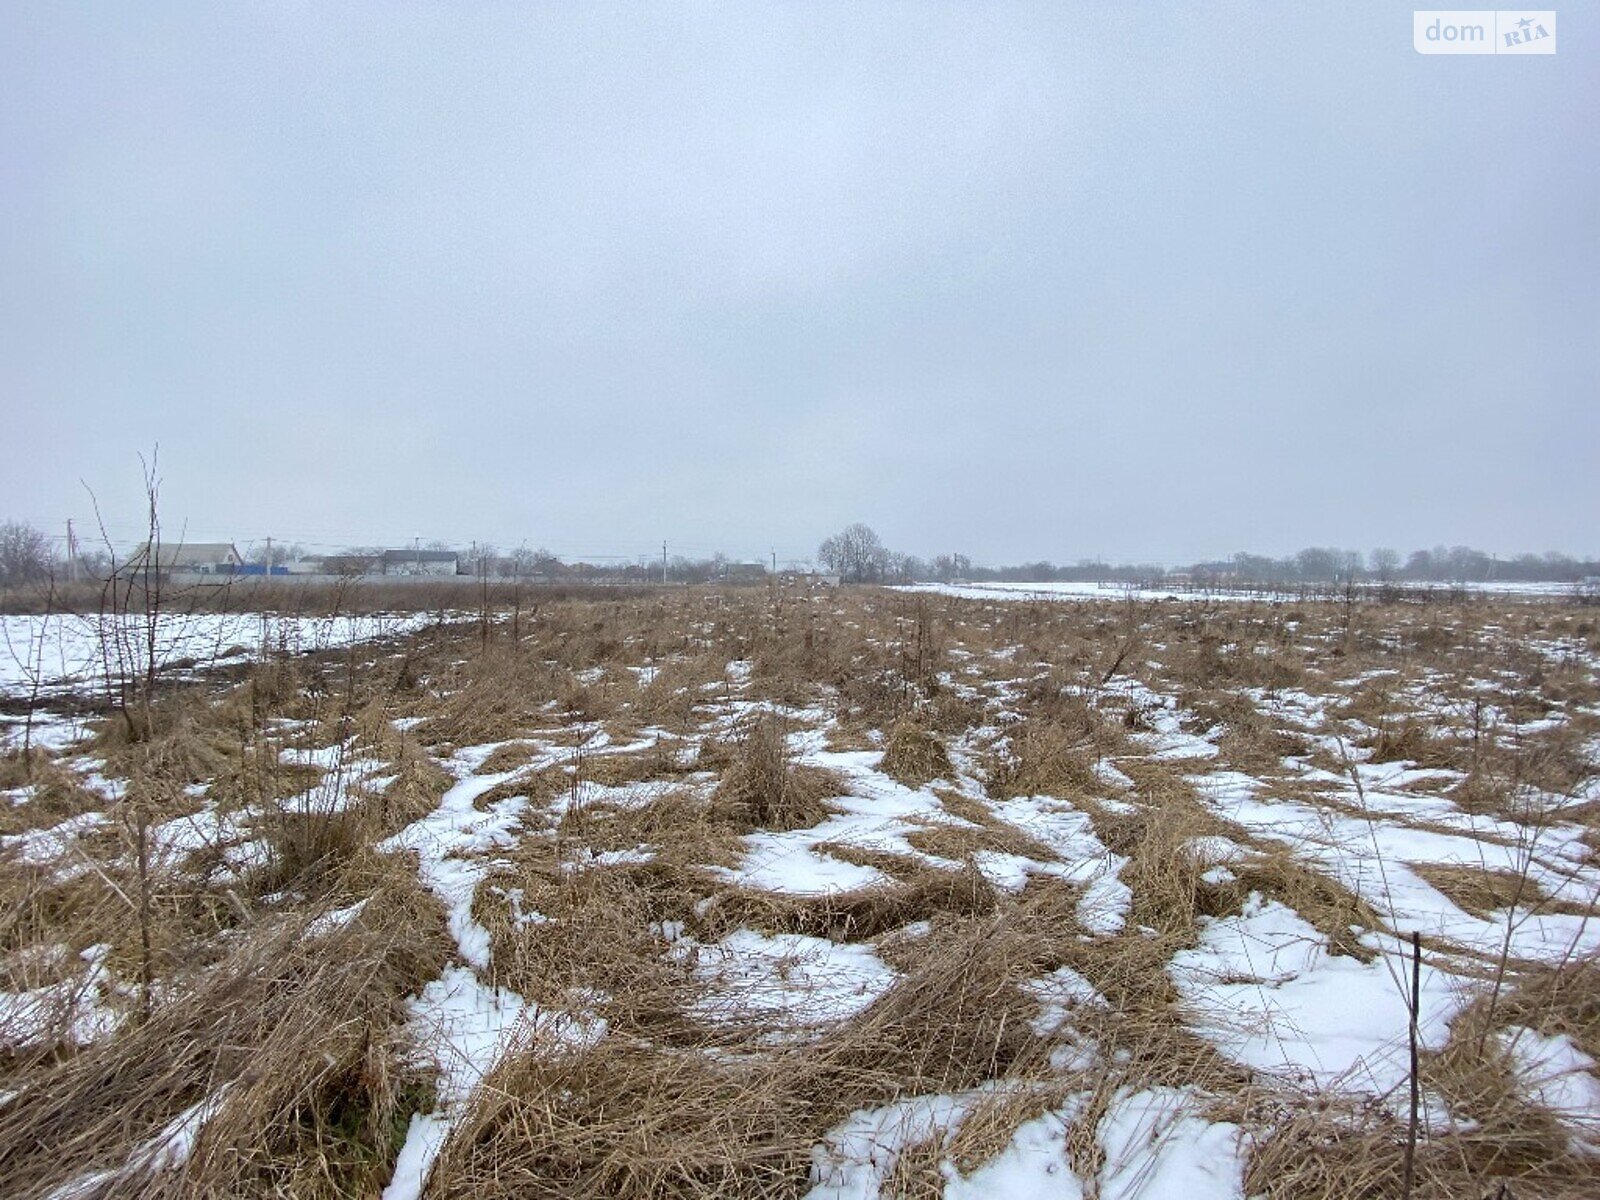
column 792, row 979
column 1035, row 1163
column 1265, row 988
column 1557, row 1076
column 862, row 1151
column 1157, row 1148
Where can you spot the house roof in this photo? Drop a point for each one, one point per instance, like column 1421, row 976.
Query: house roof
column 186, row 554
column 416, row 556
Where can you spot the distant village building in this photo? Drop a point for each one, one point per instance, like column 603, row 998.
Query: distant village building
column 418, row 562
column 194, row 558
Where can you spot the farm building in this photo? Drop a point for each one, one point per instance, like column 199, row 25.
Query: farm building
column 198, row 558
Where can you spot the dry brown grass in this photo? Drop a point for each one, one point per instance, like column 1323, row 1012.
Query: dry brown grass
column 763, row 788
column 1502, row 1144
column 1046, row 758
column 927, row 894
column 1411, row 742
column 915, row 755
column 634, row 1119
column 302, row 1034
column 672, row 1102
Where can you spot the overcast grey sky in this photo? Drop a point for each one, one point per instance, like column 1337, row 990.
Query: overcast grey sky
column 1151, row 281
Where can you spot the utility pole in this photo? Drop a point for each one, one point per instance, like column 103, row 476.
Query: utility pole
column 774, row 562
column 269, row 558
column 72, row 555
column 663, row 562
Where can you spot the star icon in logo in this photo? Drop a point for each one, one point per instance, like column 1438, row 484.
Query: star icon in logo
column 1524, row 23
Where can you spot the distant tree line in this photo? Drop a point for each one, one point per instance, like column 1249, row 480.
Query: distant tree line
column 858, row 555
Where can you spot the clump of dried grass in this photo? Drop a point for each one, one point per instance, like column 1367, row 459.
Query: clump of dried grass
column 302, row 1033
column 1409, row 741
column 19, row 768
column 56, row 793
column 928, row 894
column 1249, row 741
column 632, row 1121
column 1334, row 910
column 494, row 695
column 629, row 1119
column 959, row 1018
column 183, row 741
column 1501, row 1145
column 980, row 831
column 764, row 789
column 915, row 755
column 1238, row 657
column 1482, row 890
column 1045, row 758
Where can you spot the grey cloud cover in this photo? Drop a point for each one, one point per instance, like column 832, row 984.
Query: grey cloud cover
column 1148, row 281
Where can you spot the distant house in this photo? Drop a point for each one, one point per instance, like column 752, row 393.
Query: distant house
column 418, row 562
column 193, row 558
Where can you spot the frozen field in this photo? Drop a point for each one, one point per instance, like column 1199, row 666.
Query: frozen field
column 871, row 894
column 79, row 651
column 1121, row 591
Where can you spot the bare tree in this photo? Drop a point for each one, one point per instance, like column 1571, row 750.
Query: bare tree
column 24, row 554
column 275, row 554
column 855, row 554
column 479, row 559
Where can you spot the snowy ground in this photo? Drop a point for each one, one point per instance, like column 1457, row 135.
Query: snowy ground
column 1059, row 590
column 1309, row 847
column 63, row 652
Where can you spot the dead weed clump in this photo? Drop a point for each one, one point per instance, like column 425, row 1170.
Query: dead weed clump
column 1501, row 1143
column 764, row 789
column 959, row 1017
column 633, row 1121
column 179, row 739
column 915, row 755
column 1409, row 741
column 492, row 697
column 1044, row 759
column 858, row 915
column 291, row 1047
column 1335, row 911
column 1482, row 890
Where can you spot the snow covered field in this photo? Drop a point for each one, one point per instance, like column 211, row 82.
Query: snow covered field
column 1120, row 591
column 76, row 651
column 844, row 900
